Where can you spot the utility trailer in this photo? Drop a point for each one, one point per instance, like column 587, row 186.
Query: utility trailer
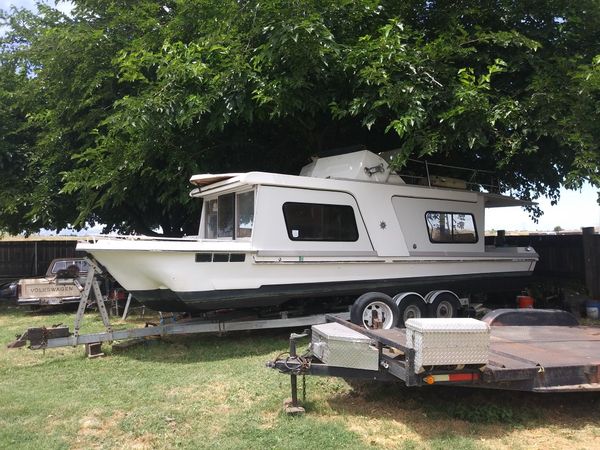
column 525, row 350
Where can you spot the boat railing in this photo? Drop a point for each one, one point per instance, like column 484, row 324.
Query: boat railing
column 471, row 180
column 474, row 179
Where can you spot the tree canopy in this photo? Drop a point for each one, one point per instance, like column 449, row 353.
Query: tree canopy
column 106, row 112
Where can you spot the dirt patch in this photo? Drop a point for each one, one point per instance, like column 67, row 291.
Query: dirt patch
column 94, row 427
column 214, row 392
column 145, row 442
column 268, row 420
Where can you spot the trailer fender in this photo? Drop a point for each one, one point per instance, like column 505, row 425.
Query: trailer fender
column 443, row 304
column 530, row 317
column 411, row 305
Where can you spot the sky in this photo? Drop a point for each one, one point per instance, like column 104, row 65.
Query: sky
column 575, row 209
column 30, row 4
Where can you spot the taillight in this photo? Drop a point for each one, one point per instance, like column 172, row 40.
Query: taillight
column 451, row 377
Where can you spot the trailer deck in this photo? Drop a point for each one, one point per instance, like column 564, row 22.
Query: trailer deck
column 541, row 358
column 536, row 358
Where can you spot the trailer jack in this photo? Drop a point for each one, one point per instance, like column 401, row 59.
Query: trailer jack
column 294, row 365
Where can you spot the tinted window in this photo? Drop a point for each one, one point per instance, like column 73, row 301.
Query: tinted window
column 211, row 219
column 451, row 227
column 225, row 213
column 245, row 214
column 318, row 222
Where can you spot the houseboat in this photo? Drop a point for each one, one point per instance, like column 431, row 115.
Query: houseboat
column 346, row 228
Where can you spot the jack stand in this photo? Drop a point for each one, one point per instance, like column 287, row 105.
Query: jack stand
column 291, row 406
column 91, row 285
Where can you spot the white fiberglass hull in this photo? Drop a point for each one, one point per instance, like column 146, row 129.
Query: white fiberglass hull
column 190, row 276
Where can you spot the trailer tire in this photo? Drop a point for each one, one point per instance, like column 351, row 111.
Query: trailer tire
column 363, row 309
column 410, row 306
column 443, row 304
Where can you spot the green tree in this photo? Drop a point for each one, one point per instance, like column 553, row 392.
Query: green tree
column 107, row 112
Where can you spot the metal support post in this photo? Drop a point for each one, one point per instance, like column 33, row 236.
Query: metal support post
column 82, row 302
column 102, row 306
column 291, row 407
column 126, row 310
column 294, row 377
column 91, row 285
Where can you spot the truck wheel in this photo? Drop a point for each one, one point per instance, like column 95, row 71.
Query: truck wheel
column 443, row 304
column 374, row 310
column 410, row 306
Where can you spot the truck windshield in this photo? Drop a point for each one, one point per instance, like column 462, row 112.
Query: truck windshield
column 63, row 264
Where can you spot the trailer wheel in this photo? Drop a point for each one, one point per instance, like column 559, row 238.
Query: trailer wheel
column 443, row 304
column 374, row 310
column 410, row 306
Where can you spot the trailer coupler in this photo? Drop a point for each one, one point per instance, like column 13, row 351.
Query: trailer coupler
column 38, row 337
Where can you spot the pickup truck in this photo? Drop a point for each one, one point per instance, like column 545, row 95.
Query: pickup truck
column 57, row 287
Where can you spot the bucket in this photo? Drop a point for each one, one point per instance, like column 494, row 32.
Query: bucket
column 592, row 308
column 525, row 301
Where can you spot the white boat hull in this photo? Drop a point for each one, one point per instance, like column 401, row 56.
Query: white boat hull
column 174, row 281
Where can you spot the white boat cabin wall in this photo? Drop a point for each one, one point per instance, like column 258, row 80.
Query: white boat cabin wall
column 287, row 216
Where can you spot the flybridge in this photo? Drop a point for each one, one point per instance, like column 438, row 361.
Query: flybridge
column 362, row 166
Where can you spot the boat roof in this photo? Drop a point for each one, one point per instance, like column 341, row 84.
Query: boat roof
column 500, row 201
column 209, row 178
column 209, row 184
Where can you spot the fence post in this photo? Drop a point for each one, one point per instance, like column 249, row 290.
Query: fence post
column 591, row 259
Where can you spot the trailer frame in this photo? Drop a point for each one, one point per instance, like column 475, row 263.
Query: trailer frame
column 60, row 336
column 518, row 363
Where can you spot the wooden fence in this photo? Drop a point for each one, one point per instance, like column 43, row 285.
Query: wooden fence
column 19, row 259
column 561, row 256
column 574, row 257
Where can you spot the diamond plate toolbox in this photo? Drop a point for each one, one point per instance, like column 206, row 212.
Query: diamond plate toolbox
column 340, row 346
column 441, row 342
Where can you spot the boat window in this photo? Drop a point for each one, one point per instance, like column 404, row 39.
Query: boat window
column 320, row 222
column 225, row 215
column 245, row 214
column 211, row 219
column 451, row 227
column 230, row 213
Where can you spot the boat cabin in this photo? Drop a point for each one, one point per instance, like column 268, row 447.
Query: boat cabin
column 349, row 205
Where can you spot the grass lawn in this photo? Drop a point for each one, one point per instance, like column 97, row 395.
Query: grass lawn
column 214, row 392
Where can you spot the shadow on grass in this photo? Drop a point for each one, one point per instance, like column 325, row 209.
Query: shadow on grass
column 486, row 413
column 186, row 349
column 183, row 349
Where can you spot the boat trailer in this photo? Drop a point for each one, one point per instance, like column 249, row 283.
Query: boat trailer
column 528, row 350
column 60, row 335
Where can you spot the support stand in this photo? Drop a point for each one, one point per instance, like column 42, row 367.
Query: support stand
column 126, row 310
column 292, row 406
column 91, row 286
